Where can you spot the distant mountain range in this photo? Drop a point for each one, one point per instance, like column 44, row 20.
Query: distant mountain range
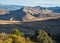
column 24, row 13
column 16, row 7
column 10, row 7
column 55, row 9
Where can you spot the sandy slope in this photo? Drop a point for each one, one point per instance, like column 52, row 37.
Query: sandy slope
column 9, row 22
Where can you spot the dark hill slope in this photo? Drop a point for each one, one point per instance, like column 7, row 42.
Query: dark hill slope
column 51, row 26
column 17, row 15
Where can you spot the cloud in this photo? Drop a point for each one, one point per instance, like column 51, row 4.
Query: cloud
column 31, row 2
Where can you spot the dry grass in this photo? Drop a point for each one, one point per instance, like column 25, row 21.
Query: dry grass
column 9, row 22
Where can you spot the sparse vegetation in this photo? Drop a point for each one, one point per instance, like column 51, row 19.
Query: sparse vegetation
column 43, row 37
column 17, row 32
column 18, row 37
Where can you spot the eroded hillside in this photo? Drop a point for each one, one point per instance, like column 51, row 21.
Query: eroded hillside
column 29, row 14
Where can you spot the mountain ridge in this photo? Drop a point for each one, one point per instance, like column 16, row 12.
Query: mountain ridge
column 29, row 14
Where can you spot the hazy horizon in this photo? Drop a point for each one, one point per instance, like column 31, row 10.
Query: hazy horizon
column 44, row 3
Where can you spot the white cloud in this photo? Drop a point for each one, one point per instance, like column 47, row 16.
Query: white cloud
column 31, row 2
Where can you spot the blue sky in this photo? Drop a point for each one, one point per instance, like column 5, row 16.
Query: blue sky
column 31, row 2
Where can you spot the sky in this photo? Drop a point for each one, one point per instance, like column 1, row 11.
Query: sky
column 46, row 3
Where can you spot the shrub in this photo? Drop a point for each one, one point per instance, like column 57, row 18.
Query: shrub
column 42, row 37
column 17, row 32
